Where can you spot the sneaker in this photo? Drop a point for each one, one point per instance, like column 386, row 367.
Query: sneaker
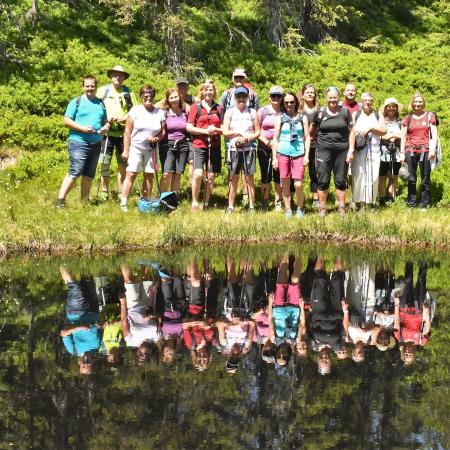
column 205, row 206
column 229, row 210
column 124, row 208
column 299, row 214
column 288, row 214
column 322, row 211
column 103, row 196
column 195, row 208
column 424, row 208
column 316, row 204
column 278, row 206
column 251, row 210
column 342, row 210
column 60, row 203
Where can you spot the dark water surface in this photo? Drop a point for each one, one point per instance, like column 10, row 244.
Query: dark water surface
column 187, row 359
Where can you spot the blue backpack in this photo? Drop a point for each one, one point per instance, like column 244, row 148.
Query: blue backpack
column 166, row 203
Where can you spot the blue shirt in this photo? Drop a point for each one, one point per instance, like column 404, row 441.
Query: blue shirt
column 88, row 113
column 82, row 341
column 286, row 146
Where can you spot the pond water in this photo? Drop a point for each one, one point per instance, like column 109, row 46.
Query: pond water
column 252, row 348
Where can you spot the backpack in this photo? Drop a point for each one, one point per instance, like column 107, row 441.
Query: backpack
column 166, row 203
column 217, row 109
column 437, row 161
column 251, row 98
column 126, row 96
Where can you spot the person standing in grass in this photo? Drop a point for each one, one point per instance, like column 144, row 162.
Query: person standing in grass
column 118, row 100
column 418, row 148
column 290, row 151
column 267, row 116
column 335, row 148
column 144, row 130
column 309, row 104
column 86, row 118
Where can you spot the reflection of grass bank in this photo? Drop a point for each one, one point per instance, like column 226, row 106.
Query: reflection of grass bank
column 30, row 224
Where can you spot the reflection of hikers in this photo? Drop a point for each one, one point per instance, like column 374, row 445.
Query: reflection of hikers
column 85, row 116
column 118, row 100
column 329, row 314
column 138, row 312
column 412, row 313
column 82, row 336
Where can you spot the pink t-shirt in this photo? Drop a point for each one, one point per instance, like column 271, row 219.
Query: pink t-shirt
column 418, row 133
column 267, row 118
column 176, row 126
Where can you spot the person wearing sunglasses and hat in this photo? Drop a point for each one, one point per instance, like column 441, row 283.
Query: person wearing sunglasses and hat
column 118, row 100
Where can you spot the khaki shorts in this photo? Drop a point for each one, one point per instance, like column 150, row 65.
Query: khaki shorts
column 140, row 160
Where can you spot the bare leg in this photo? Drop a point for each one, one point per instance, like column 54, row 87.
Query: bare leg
column 127, row 185
column 233, row 190
column 211, row 178
column 340, row 196
column 323, row 196
column 66, row 186
column 86, row 184
column 196, row 182
column 251, row 190
column 278, row 194
column 122, row 168
column 286, row 191
column 147, row 185
column 166, row 181
column 176, row 182
column 299, row 193
column 382, row 186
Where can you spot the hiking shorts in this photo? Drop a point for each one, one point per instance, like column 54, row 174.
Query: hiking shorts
column 328, row 161
column 83, row 158
column 237, row 162
column 268, row 173
column 201, row 160
column 140, row 160
column 176, row 157
column 289, row 293
column 110, row 143
column 137, row 293
column 291, row 167
column 385, row 168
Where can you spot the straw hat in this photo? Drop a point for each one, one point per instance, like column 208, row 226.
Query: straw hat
column 119, row 69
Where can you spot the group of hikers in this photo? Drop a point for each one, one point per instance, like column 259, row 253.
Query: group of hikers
column 289, row 134
column 279, row 312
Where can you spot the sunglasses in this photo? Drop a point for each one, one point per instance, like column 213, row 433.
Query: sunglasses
column 147, row 95
column 275, row 96
column 289, row 103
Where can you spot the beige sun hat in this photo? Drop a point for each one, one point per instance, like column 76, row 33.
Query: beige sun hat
column 391, row 101
column 117, row 69
column 392, row 340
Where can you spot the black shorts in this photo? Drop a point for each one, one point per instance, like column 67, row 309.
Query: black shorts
column 109, row 143
column 328, row 161
column 176, row 157
column 385, row 168
column 327, row 292
column 268, row 173
column 201, row 160
column 237, row 162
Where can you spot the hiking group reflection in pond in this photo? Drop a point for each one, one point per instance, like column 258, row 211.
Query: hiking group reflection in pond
column 283, row 312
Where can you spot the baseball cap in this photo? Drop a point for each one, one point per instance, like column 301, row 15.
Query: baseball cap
column 239, row 73
column 182, row 80
column 241, row 90
column 276, row 90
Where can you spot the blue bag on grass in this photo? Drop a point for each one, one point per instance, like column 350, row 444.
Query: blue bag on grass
column 166, row 203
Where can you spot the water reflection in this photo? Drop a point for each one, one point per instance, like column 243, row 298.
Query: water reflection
column 284, row 310
column 282, row 349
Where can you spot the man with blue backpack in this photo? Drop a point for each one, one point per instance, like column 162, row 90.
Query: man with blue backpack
column 118, row 100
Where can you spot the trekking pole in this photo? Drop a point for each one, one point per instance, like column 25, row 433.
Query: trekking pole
column 205, row 292
column 103, row 157
column 208, row 171
column 372, row 198
column 153, row 149
column 231, row 173
column 246, row 175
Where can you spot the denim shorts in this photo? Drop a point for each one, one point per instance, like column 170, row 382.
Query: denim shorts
column 83, row 158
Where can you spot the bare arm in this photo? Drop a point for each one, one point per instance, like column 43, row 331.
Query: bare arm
column 127, row 137
column 426, row 321
column 380, row 129
column 351, row 145
column 270, row 318
column 70, row 331
column 276, row 135
column 307, row 140
column 397, row 314
column 70, row 123
column 226, row 126
column 221, row 329
column 124, row 317
column 433, row 141
column 404, row 133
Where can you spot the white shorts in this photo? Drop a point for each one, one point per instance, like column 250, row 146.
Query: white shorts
column 137, row 294
column 140, row 160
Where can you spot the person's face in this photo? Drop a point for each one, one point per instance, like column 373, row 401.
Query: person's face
column 350, row 93
column 367, row 103
column 147, row 98
column 168, row 355
column 324, row 361
column 90, row 87
column 417, row 103
column 117, row 78
column 302, row 349
column 113, row 356
column 391, row 110
column 241, row 100
column 174, row 99
column 182, row 89
column 332, row 98
column 342, row 354
column 143, row 353
column 238, row 80
column 275, row 99
column 289, row 103
column 209, row 92
column 409, row 353
column 358, row 352
column 310, row 94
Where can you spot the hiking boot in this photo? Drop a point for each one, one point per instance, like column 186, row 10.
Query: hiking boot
column 322, row 211
column 60, row 203
column 278, row 207
column 316, row 204
column 251, row 210
column 299, row 214
column 124, row 208
column 229, row 210
column 205, row 206
column 288, row 214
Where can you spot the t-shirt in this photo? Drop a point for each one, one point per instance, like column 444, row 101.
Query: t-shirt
column 88, row 113
column 418, row 133
column 116, row 105
column 82, row 341
column 267, row 117
column 285, row 145
column 411, row 327
column 310, row 117
column 141, row 328
column 112, row 336
column 333, row 130
column 392, row 127
column 352, row 108
column 176, row 126
column 242, row 122
column 145, row 124
column 204, row 121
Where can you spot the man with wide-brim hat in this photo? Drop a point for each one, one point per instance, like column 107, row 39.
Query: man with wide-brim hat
column 118, row 100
